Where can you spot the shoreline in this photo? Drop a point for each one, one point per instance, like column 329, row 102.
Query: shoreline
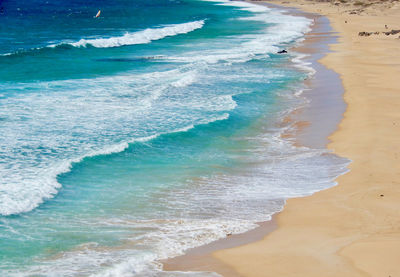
column 201, row 258
column 304, row 133
column 351, row 229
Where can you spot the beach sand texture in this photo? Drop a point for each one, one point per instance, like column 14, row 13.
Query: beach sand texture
column 352, row 229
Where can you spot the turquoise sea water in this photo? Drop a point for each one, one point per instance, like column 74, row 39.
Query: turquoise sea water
column 134, row 136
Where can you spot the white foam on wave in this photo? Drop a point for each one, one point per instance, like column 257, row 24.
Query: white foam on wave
column 166, row 238
column 27, row 192
column 37, row 146
column 186, row 80
column 300, row 63
column 245, row 6
column 140, row 37
column 173, row 239
column 282, row 29
column 25, row 196
column 237, row 200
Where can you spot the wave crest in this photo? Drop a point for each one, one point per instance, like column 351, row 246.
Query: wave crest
column 140, row 37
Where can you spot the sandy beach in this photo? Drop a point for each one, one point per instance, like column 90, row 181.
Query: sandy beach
column 352, row 229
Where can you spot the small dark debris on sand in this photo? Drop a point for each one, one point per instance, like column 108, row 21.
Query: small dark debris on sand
column 392, row 32
column 364, row 34
column 367, row 34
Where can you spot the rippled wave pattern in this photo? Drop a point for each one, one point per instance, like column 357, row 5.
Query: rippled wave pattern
column 155, row 128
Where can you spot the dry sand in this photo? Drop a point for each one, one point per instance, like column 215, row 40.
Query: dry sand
column 352, row 229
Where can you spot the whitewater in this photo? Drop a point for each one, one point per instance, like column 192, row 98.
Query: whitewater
column 29, row 175
column 152, row 130
column 140, row 37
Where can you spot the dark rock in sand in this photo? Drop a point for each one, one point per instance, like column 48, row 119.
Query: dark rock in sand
column 364, row 34
column 392, row 32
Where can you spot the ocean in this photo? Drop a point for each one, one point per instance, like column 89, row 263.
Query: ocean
column 154, row 128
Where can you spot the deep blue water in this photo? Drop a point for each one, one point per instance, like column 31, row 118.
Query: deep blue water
column 149, row 130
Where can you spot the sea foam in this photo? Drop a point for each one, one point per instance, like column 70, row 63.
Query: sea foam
column 130, row 103
column 141, row 37
column 27, row 184
column 236, row 201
